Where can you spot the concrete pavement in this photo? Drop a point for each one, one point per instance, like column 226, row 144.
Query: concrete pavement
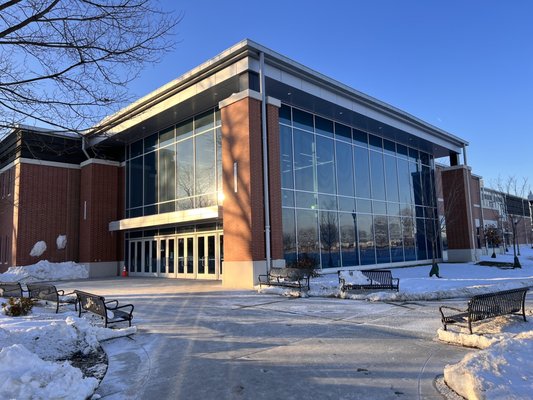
column 197, row 340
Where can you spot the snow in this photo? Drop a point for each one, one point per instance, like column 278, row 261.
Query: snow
column 38, row 249
column 45, row 271
column 61, row 242
column 503, row 368
column 34, row 347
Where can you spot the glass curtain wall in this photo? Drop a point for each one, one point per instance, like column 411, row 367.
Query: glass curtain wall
column 177, row 168
column 351, row 197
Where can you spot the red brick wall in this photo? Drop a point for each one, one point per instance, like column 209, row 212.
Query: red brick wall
column 7, row 208
column 274, row 177
column 47, row 207
column 99, row 205
column 243, row 211
column 459, row 227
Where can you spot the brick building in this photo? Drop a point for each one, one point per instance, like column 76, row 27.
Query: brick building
column 248, row 161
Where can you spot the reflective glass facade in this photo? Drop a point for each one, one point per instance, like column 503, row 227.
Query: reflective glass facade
column 177, row 168
column 351, row 197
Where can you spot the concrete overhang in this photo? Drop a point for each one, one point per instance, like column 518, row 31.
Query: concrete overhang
column 172, row 218
column 288, row 81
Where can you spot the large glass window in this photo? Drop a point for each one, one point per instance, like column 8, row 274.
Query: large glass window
column 351, row 197
column 179, row 167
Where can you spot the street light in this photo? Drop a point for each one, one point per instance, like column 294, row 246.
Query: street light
column 516, row 263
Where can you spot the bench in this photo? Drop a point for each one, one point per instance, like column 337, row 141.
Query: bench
column 11, row 289
column 110, row 310
column 376, row 279
column 48, row 292
column 286, row 277
column 485, row 306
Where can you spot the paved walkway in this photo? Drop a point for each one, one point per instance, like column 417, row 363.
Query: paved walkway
column 196, row 340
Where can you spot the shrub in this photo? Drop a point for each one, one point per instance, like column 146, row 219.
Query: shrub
column 304, row 262
column 17, row 306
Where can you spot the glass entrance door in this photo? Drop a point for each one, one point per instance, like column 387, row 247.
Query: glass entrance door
column 207, row 257
column 186, row 264
column 167, row 267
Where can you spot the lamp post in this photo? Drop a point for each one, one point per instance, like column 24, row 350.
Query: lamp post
column 516, row 263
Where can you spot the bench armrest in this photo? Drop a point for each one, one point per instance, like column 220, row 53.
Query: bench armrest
column 111, row 301
column 130, row 306
column 441, row 308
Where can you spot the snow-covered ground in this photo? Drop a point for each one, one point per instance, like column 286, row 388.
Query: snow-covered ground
column 504, row 366
column 34, row 347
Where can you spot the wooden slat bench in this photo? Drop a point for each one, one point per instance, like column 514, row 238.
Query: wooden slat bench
column 109, row 310
column 379, row 279
column 11, row 289
column 48, row 292
column 486, row 306
column 286, row 277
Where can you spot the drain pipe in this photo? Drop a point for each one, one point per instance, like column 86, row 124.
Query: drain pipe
column 265, row 157
column 83, row 148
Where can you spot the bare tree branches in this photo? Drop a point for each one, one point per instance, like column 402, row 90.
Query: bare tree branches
column 67, row 63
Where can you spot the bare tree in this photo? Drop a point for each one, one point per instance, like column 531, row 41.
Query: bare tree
column 65, row 64
column 513, row 193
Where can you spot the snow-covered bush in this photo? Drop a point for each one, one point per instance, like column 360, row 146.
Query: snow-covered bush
column 17, row 306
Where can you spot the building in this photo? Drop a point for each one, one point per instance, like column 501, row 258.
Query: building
column 249, row 160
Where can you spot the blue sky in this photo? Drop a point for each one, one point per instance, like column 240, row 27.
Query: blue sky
column 464, row 66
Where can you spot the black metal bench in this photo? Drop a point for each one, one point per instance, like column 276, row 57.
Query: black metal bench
column 109, row 310
column 485, row 306
column 48, row 292
column 286, row 277
column 11, row 289
column 378, row 279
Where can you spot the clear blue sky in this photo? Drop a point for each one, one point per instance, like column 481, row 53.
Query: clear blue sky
column 464, row 66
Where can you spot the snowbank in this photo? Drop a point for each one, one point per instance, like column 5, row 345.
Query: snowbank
column 25, row 376
column 45, row 271
column 502, row 371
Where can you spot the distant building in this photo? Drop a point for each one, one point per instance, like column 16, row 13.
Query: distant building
column 248, row 161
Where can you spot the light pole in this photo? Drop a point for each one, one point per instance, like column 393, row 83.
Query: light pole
column 516, row 263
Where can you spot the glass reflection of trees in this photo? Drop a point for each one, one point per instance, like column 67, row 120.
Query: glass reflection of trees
column 351, row 197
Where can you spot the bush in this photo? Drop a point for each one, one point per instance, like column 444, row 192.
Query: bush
column 17, row 306
column 304, row 262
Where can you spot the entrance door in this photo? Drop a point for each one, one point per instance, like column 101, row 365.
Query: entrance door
column 186, row 261
column 208, row 260
column 166, row 260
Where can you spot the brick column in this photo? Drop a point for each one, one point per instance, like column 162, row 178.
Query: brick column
column 456, row 182
column 99, row 205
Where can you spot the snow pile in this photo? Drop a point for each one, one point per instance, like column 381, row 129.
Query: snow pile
column 490, row 373
column 61, row 242
column 355, row 277
column 25, row 376
column 38, row 249
column 33, row 344
column 46, row 271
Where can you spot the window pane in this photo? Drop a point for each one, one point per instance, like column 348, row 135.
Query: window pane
column 184, row 130
column 185, row 169
column 421, row 239
column 167, row 173
column 416, row 194
column 365, row 235
column 302, row 119
column 304, row 160
column 323, row 126
column 204, row 122
column 408, row 231
column 150, row 178
column 136, row 148
column 375, row 142
column 396, row 239
column 166, row 137
column 348, row 229
column 404, row 183
column 360, row 138
column 307, row 233
column 391, row 174
column 345, row 169
column 306, row 200
column 286, row 157
column 325, row 161
column 343, row 132
column 362, row 173
column 329, row 239
column 150, row 142
column 287, row 198
column 289, row 235
column 285, row 114
column 381, row 233
column 205, row 165
column 220, row 188
column 378, row 176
